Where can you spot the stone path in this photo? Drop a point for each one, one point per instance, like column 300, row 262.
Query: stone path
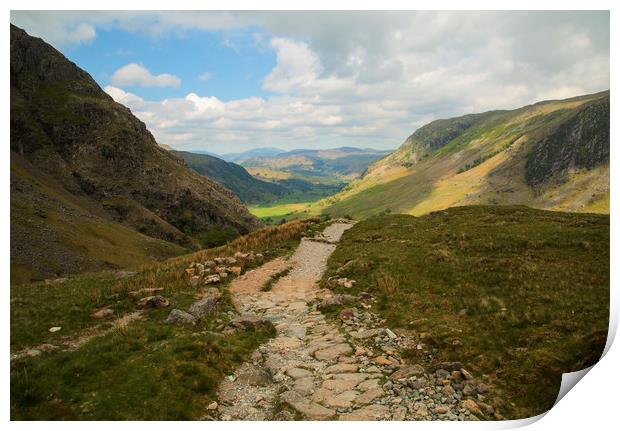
column 321, row 370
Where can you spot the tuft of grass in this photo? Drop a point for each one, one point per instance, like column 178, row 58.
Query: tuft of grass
column 274, row 279
column 525, row 291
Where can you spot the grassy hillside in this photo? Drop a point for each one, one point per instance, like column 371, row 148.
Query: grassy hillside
column 517, row 294
column 145, row 370
column 93, row 166
column 552, row 155
column 234, row 177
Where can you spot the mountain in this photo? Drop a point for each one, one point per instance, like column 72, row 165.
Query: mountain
column 89, row 184
column 337, row 164
column 550, row 155
column 234, row 177
column 255, row 152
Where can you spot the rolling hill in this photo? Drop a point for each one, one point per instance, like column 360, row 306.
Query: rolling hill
column 330, row 166
column 90, row 187
column 550, row 155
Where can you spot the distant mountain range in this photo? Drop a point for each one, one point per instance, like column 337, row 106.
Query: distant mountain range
column 90, row 187
column 552, row 155
column 331, row 166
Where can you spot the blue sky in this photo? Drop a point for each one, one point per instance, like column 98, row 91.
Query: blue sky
column 231, row 81
column 235, row 64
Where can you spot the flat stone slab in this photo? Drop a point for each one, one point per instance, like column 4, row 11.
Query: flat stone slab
column 372, row 412
column 341, row 368
column 306, row 407
column 333, row 352
column 298, row 373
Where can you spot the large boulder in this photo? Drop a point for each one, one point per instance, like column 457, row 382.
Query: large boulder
column 180, row 317
column 206, row 306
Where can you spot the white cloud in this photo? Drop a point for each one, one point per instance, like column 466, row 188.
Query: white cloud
column 124, row 97
column 354, row 78
column 134, row 74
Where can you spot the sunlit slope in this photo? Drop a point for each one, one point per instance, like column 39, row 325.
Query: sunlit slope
column 552, row 155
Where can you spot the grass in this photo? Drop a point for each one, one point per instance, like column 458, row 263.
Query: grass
column 146, row 371
column 525, row 291
column 274, row 279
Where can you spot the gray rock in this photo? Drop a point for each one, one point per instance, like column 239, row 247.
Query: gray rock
column 180, row 317
column 205, row 306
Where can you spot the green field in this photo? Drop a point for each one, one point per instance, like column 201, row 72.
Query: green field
column 273, row 214
column 525, row 292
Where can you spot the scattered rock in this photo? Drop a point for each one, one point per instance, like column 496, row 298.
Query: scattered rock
column 212, row 406
column 55, row 328
column 124, row 274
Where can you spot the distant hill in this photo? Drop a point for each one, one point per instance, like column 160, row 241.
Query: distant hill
column 255, row 152
column 90, row 187
column 552, row 155
column 233, row 177
column 322, row 166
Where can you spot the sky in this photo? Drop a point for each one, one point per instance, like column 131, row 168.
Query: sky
column 227, row 82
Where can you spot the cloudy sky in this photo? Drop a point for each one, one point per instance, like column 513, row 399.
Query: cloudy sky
column 231, row 81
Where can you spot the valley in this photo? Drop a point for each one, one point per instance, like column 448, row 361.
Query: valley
column 453, row 278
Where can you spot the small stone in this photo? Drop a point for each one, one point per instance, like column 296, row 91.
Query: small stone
column 235, row 270
column 472, row 407
column 212, row 406
column 390, row 334
column 55, row 328
column 194, row 280
column 482, row 388
column 156, row 301
column 441, row 410
column 466, row 374
column 104, row 312
column 382, row 360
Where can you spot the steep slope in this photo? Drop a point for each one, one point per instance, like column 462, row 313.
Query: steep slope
column 71, row 143
column 552, row 155
column 234, row 177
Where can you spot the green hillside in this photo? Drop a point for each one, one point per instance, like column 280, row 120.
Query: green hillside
column 516, row 294
column 552, row 155
column 234, row 177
